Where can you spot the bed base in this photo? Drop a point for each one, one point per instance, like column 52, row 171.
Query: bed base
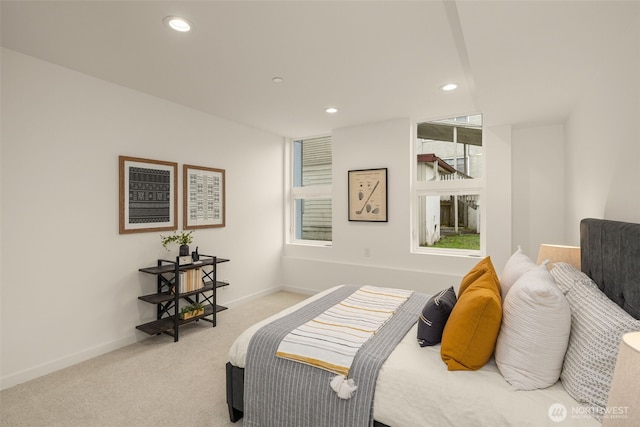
column 235, row 394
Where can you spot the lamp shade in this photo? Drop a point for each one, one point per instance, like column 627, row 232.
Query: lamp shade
column 623, row 408
column 559, row 253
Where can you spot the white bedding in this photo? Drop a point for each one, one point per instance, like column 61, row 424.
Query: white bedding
column 414, row 388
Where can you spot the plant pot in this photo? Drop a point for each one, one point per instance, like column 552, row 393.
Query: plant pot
column 190, row 314
column 184, row 250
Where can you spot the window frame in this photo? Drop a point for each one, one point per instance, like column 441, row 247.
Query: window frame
column 296, row 193
column 474, row 186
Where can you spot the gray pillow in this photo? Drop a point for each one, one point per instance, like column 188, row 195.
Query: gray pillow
column 597, row 326
column 434, row 317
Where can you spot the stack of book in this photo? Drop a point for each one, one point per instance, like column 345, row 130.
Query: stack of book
column 190, row 280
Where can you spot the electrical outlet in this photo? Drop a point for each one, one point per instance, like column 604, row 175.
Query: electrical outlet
column 367, row 252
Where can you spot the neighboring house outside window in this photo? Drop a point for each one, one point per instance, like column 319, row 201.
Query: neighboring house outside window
column 311, row 190
column 447, row 187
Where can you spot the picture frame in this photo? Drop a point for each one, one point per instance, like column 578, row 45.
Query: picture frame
column 148, row 193
column 204, row 197
column 368, row 195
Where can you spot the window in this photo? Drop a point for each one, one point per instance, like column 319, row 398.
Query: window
column 447, row 188
column 311, row 190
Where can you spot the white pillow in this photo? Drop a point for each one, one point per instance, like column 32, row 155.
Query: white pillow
column 597, row 326
column 516, row 266
column 536, row 323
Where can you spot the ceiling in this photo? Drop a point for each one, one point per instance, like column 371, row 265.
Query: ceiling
column 517, row 62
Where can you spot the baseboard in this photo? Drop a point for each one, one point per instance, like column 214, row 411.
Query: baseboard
column 64, row 362
column 245, row 299
column 296, row 290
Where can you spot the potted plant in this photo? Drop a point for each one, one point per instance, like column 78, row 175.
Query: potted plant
column 198, row 309
column 186, row 312
column 193, row 310
column 183, row 239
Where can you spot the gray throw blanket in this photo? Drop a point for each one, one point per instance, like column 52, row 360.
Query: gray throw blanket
column 281, row 393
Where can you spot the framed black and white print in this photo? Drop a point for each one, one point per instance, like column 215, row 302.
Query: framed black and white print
column 204, row 197
column 368, row 195
column 147, row 195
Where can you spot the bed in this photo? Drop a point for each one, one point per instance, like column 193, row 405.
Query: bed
column 413, row 386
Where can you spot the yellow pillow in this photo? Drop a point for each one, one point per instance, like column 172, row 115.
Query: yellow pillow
column 470, row 335
column 474, row 274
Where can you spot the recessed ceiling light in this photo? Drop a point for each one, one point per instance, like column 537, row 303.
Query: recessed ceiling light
column 177, row 23
column 449, row 86
column 331, row 110
column 277, row 79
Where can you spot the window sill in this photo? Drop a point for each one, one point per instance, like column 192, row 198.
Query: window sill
column 462, row 253
column 315, row 243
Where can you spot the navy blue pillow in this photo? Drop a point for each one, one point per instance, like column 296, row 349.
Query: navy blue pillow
column 434, row 317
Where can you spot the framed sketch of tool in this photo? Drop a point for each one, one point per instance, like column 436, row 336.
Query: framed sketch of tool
column 368, row 195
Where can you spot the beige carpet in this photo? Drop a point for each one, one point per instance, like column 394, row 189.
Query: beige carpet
column 155, row 382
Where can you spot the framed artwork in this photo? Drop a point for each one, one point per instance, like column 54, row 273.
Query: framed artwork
column 368, row 195
column 204, row 197
column 147, row 195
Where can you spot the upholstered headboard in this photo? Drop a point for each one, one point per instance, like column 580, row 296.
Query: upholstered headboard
column 610, row 255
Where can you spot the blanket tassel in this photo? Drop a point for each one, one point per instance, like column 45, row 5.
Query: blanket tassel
column 343, row 387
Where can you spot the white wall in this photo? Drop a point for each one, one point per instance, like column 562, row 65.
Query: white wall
column 588, row 165
column 585, row 167
column 390, row 262
column 603, row 138
column 498, row 192
column 538, row 187
column 70, row 282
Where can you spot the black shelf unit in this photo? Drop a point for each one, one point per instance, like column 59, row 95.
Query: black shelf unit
column 167, row 298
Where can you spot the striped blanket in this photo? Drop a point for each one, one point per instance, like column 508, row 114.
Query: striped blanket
column 282, row 393
column 331, row 340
